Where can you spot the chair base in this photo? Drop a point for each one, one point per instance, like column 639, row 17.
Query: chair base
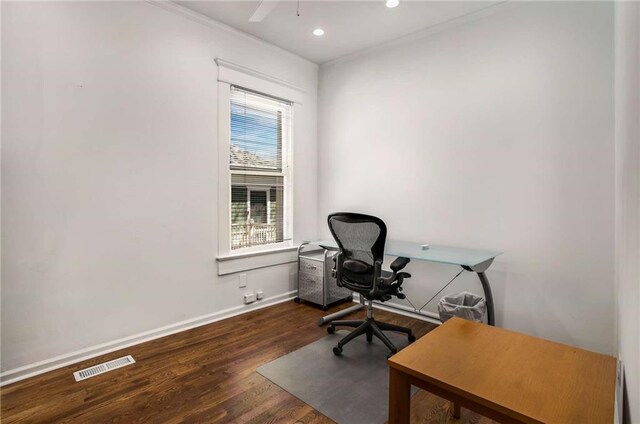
column 371, row 328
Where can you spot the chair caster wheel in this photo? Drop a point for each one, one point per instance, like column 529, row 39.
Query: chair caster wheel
column 324, row 308
column 297, row 300
column 331, row 330
column 337, row 351
column 412, row 338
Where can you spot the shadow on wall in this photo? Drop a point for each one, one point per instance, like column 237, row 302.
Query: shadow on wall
column 538, row 304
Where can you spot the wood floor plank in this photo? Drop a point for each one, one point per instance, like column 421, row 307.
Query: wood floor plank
column 203, row 375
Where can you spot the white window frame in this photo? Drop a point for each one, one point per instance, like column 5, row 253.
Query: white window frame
column 231, row 74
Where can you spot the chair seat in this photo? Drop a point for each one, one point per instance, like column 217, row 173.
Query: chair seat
column 356, row 266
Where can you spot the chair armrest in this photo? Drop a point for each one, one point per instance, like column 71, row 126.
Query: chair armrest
column 336, row 272
column 377, row 273
column 399, row 264
column 396, row 266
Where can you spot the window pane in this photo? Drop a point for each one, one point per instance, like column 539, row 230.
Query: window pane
column 256, row 132
column 257, row 214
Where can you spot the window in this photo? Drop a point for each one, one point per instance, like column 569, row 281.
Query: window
column 260, row 143
column 257, row 124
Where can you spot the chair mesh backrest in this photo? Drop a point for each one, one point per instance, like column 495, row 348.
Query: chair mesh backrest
column 359, row 237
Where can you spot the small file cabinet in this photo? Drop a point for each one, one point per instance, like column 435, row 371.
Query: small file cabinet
column 315, row 283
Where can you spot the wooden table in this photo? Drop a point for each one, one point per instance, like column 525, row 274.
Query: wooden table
column 503, row 375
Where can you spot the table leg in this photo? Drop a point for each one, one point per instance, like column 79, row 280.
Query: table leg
column 399, row 397
column 456, row 410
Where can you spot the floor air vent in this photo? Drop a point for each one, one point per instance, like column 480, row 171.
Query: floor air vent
column 104, row 367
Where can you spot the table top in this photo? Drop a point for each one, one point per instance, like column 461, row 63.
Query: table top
column 513, row 373
column 435, row 253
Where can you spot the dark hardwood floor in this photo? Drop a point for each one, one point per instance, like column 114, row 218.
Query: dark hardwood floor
column 203, row 375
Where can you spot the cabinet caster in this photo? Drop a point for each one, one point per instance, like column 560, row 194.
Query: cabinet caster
column 297, row 300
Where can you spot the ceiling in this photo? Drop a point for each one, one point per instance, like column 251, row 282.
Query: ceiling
column 349, row 26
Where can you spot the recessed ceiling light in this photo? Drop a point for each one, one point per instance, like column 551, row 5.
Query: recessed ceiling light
column 392, row 3
column 319, row 32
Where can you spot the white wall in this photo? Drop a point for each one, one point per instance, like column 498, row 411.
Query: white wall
column 494, row 133
column 109, row 178
column 627, row 141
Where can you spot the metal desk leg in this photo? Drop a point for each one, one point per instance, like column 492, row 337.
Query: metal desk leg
column 480, row 269
column 491, row 314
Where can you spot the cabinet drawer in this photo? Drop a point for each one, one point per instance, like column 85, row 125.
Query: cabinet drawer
column 311, row 279
column 311, row 267
column 310, row 288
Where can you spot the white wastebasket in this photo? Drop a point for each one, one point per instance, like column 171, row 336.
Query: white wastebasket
column 463, row 305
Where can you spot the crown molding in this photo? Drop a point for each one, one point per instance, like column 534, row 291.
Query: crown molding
column 212, row 23
column 426, row 32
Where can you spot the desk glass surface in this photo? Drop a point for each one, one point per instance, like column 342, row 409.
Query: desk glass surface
column 442, row 254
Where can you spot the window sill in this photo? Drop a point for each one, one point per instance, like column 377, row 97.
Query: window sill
column 229, row 264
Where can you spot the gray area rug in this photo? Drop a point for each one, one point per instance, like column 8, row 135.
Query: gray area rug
column 349, row 389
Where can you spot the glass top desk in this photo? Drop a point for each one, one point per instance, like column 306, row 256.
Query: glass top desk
column 472, row 260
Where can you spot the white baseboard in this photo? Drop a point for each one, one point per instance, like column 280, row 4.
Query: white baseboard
column 31, row 370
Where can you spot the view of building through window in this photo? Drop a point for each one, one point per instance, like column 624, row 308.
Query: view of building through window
column 260, row 137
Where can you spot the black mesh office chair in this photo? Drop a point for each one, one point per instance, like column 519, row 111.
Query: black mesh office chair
column 358, row 267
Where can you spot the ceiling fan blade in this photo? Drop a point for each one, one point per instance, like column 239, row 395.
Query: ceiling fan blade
column 263, row 9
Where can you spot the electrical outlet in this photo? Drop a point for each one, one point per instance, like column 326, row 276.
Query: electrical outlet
column 259, row 294
column 242, row 280
column 249, row 298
